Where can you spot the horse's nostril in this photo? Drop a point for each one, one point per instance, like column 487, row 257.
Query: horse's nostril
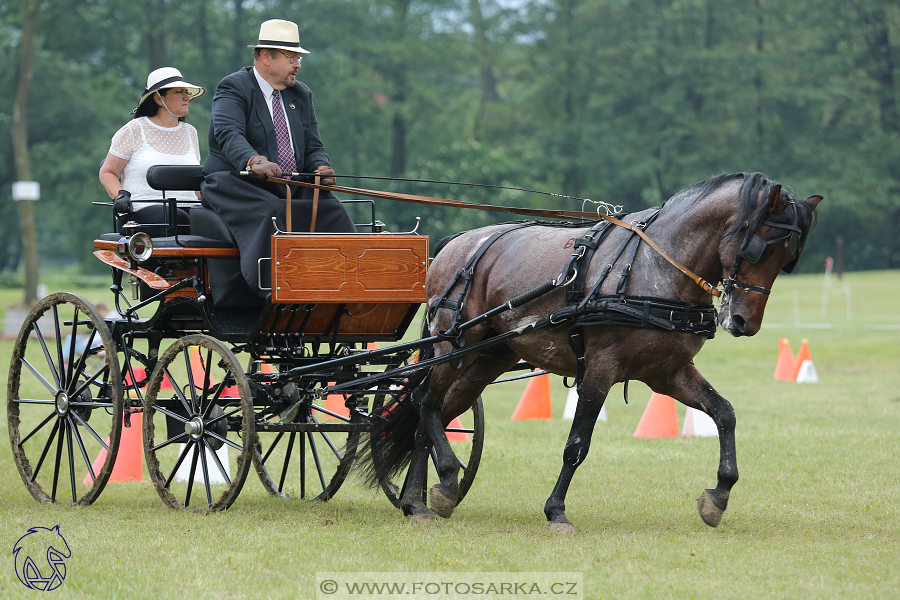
column 738, row 322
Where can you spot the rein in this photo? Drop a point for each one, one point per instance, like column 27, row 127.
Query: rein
column 532, row 212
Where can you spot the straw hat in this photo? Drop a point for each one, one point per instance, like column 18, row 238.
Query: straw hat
column 280, row 35
column 168, row 77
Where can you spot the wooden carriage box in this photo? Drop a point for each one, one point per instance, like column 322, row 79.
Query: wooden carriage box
column 378, row 281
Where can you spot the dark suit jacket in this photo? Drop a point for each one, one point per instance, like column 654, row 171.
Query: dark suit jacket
column 240, row 125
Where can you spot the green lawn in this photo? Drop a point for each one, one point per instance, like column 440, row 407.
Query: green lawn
column 816, row 513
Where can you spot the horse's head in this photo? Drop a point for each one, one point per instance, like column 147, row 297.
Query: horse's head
column 767, row 237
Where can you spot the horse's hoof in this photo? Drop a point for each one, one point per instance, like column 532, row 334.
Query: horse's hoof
column 440, row 503
column 709, row 511
column 424, row 516
column 563, row 528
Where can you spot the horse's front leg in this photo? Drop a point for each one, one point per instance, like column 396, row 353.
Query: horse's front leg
column 591, row 397
column 690, row 388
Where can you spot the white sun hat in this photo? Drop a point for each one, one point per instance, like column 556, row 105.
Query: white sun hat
column 168, row 77
column 280, row 35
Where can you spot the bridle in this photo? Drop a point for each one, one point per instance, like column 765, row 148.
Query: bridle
column 753, row 247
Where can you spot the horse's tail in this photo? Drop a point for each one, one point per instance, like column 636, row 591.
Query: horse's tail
column 392, row 437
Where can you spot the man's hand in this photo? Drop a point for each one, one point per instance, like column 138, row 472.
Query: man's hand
column 325, row 170
column 264, row 168
column 122, row 203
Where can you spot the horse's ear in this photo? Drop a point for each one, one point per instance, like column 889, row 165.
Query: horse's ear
column 814, row 200
column 775, row 203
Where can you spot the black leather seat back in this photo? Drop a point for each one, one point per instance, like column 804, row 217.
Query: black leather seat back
column 175, row 177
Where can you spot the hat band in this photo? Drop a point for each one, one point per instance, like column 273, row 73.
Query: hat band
column 159, row 84
column 278, row 43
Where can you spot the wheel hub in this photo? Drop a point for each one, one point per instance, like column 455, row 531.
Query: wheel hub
column 194, row 428
column 62, row 403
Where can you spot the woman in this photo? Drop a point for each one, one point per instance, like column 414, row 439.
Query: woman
column 158, row 135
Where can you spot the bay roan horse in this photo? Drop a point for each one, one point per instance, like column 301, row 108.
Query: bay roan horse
column 741, row 229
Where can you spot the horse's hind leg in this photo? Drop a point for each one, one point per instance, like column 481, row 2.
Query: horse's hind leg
column 591, row 397
column 437, row 410
column 690, row 388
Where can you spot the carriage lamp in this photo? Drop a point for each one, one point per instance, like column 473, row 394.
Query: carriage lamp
column 137, row 248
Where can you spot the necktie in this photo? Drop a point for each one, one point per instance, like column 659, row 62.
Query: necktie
column 285, row 153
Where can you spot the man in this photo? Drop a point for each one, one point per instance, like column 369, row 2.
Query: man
column 263, row 120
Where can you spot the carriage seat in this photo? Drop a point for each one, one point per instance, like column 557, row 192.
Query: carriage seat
column 185, row 241
column 205, row 223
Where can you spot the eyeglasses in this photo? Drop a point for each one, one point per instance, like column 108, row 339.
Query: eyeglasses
column 292, row 59
column 177, row 92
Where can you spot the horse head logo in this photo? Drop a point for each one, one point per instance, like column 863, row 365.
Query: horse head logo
column 40, row 558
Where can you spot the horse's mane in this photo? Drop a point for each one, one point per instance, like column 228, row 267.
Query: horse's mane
column 753, row 187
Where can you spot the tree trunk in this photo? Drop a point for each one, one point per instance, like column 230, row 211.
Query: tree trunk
column 398, row 99
column 27, row 51
column 156, row 34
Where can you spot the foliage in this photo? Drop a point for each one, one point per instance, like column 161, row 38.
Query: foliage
column 627, row 101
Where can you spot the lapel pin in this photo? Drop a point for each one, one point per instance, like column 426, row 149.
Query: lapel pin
column 292, row 106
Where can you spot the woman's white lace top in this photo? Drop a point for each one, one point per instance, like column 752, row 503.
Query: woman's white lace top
column 143, row 144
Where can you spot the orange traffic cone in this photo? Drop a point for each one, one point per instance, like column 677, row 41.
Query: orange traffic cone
column 804, row 369
column 128, row 460
column 335, row 403
column 457, row 436
column 784, row 370
column 660, row 419
column 535, row 402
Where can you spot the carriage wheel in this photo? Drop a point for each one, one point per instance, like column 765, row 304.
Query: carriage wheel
column 467, row 443
column 198, row 425
column 64, row 409
column 308, row 465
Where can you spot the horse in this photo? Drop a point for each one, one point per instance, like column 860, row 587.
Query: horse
column 736, row 231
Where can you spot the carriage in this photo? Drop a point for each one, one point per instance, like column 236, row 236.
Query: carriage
column 219, row 390
column 553, row 296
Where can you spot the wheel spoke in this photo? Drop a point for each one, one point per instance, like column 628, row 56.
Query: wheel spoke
column 202, row 452
column 169, row 413
column 89, row 381
column 327, row 439
column 90, row 429
column 171, row 440
column 37, row 469
column 190, row 377
column 221, row 439
column 222, row 416
column 72, row 339
column 87, row 351
column 59, row 352
column 40, row 337
column 190, row 483
column 178, row 462
column 178, row 391
column 218, row 463
column 206, row 376
column 40, row 377
column 71, row 450
column 287, row 460
column 35, row 430
column 84, row 453
column 272, row 447
column 315, row 453
column 59, row 446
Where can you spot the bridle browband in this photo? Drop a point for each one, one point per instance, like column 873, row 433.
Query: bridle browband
column 753, row 247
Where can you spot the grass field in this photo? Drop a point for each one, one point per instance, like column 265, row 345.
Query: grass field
column 816, row 513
